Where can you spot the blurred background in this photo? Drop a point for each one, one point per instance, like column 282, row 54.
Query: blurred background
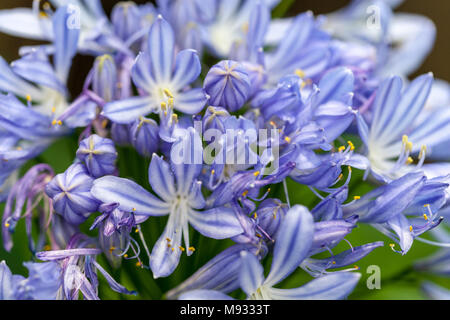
column 399, row 279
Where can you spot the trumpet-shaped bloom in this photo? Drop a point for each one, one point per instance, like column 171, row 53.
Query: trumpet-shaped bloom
column 396, row 132
column 162, row 80
column 180, row 197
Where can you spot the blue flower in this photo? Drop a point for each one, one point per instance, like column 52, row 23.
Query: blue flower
column 155, row 74
column 396, row 131
column 181, row 199
column 292, row 246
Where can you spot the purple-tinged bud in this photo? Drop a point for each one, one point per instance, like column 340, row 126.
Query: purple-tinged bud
column 228, row 85
column 71, row 194
column 104, row 79
column 145, row 136
column 126, row 19
column 98, row 154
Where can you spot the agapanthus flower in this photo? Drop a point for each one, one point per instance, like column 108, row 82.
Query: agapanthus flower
column 291, row 248
column 180, row 198
column 160, row 79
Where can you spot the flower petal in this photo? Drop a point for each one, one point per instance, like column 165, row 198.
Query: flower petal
column 292, row 244
column 187, row 69
column 131, row 196
column 161, row 44
column 127, row 110
column 330, row 287
column 216, row 223
column 251, row 276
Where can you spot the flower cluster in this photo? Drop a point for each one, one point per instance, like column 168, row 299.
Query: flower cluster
column 230, row 112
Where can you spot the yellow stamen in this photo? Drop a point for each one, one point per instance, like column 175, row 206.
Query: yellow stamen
column 300, row 73
column 53, row 109
column 181, row 248
column 213, row 171
column 409, row 160
column 139, row 264
column 125, row 255
column 410, row 228
column 168, row 239
column 256, row 173
column 255, row 215
column 287, row 139
column 168, row 93
column 28, row 97
column 409, row 146
column 423, row 151
column 111, row 249
column 404, row 139
column 340, row 176
column 352, row 146
column 425, row 216
column 356, row 197
column 244, row 193
column 191, row 249
column 47, row 248
column 341, row 148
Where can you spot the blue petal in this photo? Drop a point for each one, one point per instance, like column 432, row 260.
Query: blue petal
column 334, row 117
column 161, row 44
column 186, row 156
column 400, row 225
column 408, row 108
column 127, row 110
column 161, row 178
column 330, row 287
column 335, row 86
column 11, row 82
column 141, row 73
column 187, row 69
column 191, row 101
column 216, row 223
column 129, row 195
column 386, row 101
column 292, row 244
column 166, row 252
column 65, row 41
column 6, row 282
column 396, row 197
column 36, row 68
column 251, row 276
